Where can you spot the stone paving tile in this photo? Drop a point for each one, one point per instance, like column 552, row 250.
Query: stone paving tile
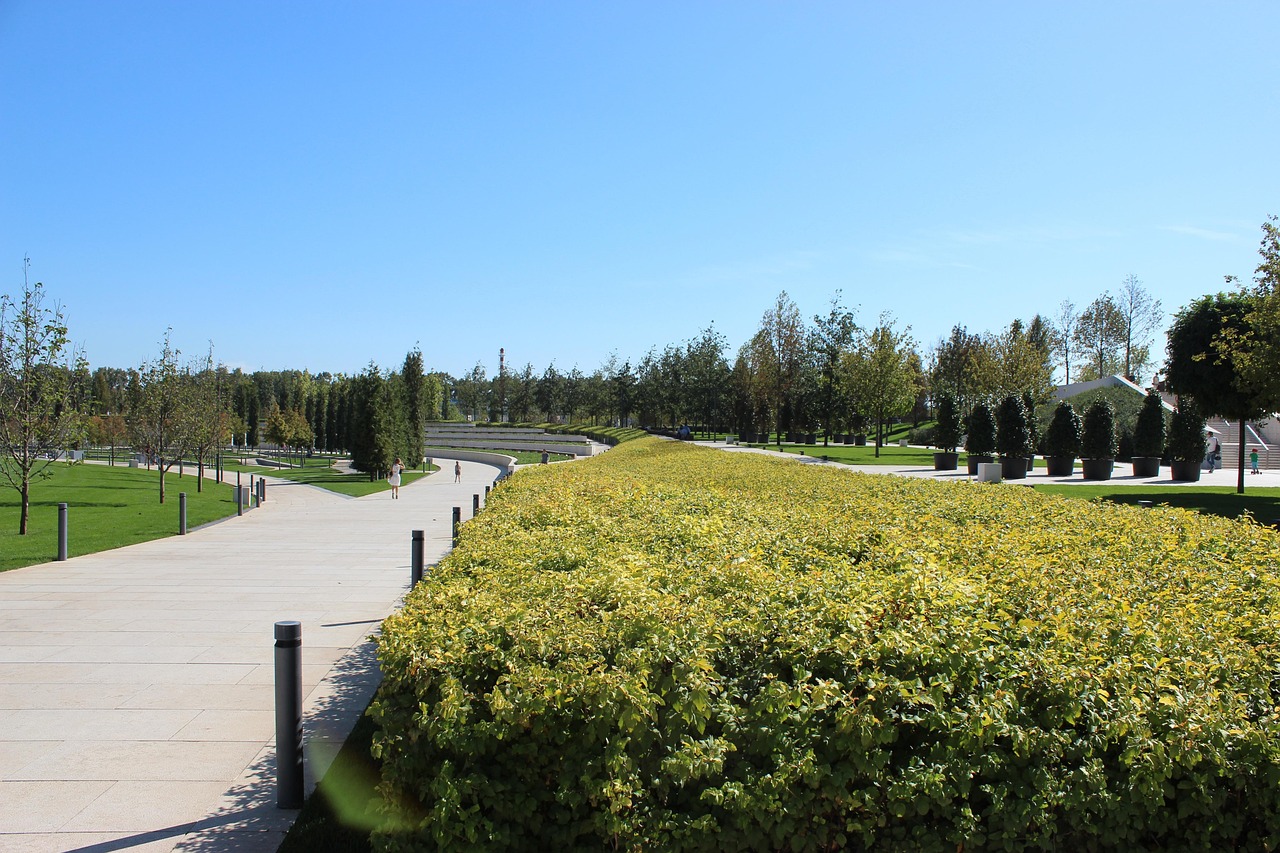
column 44, row 806
column 120, row 760
column 66, row 696
column 248, row 697
column 142, row 806
column 43, row 724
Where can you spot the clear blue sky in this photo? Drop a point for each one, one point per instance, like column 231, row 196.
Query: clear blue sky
column 321, row 184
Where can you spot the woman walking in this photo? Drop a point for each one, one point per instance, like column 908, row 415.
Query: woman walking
column 394, row 478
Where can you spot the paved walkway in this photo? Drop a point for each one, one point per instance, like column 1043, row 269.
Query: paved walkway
column 136, row 685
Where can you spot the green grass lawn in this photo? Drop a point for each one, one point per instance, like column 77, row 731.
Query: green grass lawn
column 1262, row 503
column 851, row 454
column 327, row 477
column 106, row 508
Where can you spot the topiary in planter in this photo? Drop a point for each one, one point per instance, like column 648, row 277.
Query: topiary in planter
column 1013, row 433
column 1098, row 438
column 981, row 440
column 947, row 433
column 1148, row 437
column 1098, row 443
column 1061, row 443
column 1186, row 445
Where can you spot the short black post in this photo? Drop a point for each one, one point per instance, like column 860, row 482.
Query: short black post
column 262, row 491
column 289, row 715
column 239, row 497
column 62, row 533
column 182, row 513
column 415, row 558
column 457, row 523
column 253, row 490
column 475, row 505
column 1146, row 504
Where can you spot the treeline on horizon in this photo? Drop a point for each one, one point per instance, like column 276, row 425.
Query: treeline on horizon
column 830, row 373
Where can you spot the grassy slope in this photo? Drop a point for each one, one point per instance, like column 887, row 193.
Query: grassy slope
column 354, row 485
column 1262, row 503
column 107, row 508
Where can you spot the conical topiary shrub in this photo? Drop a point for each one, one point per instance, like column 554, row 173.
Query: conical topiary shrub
column 1098, row 442
column 1148, row 437
column 946, row 435
column 981, row 440
column 1186, row 446
column 1061, row 443
column 1013, row 437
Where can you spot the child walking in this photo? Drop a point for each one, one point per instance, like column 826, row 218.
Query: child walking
column 1253, row 460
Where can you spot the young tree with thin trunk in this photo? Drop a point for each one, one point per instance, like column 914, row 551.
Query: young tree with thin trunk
column 1141, row 316
column 36, row 368
column 882, row 374
column 1100, row 332
column 779, row 351
column 1064, row 337
column 164, row 418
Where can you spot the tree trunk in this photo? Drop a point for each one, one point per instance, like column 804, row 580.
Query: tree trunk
column 200, row 477
column 1240, row 462
column 160, row 468
column 26, row 507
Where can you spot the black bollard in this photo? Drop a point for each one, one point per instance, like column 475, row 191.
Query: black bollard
column 415, row 558
column 182, row 513
column 1146, row 504
column 457, row 523
column 289, row 715
column 475, row 505
column 239, row 497
column 262, row 491
column 62, row 533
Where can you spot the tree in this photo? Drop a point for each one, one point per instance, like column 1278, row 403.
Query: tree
column 706, row 377
column 947, row 435
column 36, row 366
column 521, row 400
column 1013, row 434
column 163, row 418
column 831, row 338
column 1205, row 342
column 1141, row 315
column 418, row 407
column 957, row 362
column 779, row 354
column 880, row 371
column 1100, row 333
column 1255, row 351
column 1064, row 337
column 211, row 420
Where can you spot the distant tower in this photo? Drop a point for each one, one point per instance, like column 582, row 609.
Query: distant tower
column 502, row 383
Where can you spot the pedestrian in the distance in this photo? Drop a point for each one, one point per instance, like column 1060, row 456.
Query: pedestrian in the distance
column 1253, row 460
column 394, row 478
column 1211, row 456
column 546, row 457
column 457, row 472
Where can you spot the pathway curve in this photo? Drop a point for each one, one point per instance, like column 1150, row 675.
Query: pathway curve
column 136, row 685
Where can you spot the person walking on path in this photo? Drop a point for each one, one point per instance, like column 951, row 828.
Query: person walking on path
column 457, row 472
column 1211, row 455
column 394, row 478
column 1253, row 461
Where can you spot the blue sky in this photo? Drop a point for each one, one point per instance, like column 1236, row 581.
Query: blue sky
column 318, row 185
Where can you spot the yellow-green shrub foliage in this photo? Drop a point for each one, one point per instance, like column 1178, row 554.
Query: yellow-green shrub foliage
column 674, row 648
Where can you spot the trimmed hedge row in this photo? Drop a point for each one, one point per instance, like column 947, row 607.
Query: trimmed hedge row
column 670, row 648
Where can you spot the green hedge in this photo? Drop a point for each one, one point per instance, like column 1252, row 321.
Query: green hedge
column 674, row 648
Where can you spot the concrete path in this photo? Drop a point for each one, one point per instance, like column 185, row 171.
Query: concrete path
column 136, row 685
column 1123, row 474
